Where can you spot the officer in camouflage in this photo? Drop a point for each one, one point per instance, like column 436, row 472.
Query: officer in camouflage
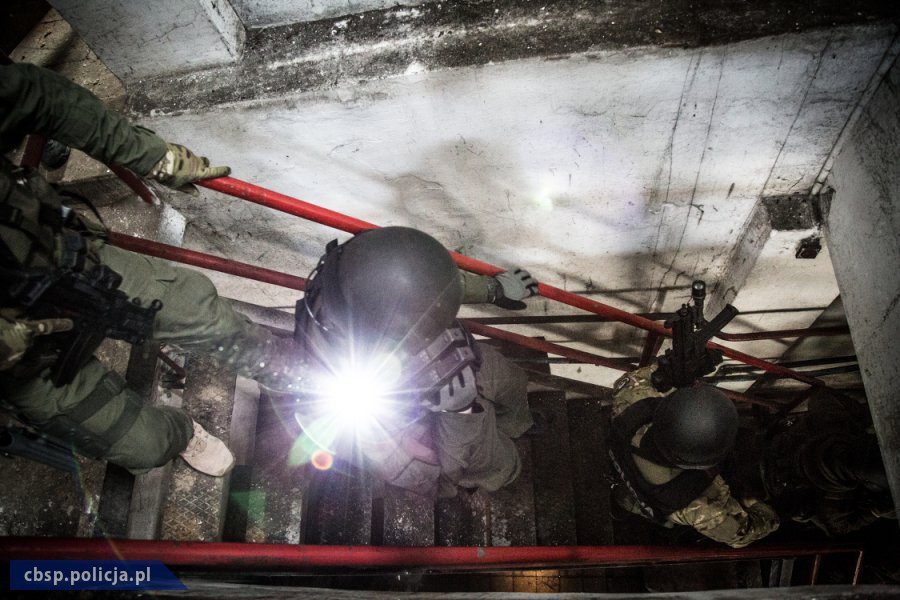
column 41, row 238
column 667, row 448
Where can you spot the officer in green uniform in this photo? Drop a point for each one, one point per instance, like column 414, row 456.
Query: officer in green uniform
column 41, row 240
column 667, row 449
column 389, row 297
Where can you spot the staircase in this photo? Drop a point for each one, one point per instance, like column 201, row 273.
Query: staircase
column 560, row 499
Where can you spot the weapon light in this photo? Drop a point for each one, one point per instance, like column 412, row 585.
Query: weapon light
column 358, row 393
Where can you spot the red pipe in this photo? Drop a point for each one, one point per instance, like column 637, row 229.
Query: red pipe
column 741, row 397
column 34, row 151
column 284, row 203
column 206, row 261
column 296, row 207
column 229, row 555
column 545, row 346
column 136, row 184
column 318, row 214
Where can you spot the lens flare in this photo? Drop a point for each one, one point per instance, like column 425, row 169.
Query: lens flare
column 321, row 460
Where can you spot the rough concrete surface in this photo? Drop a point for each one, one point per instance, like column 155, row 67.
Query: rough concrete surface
column 136, row 39
column 305, row 56
column 864, row 232
column 619, row 174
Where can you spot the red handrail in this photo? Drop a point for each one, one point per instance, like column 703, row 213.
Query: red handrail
column 206, row 261
column 232, row 267
column 299, row 557
column 294, row 206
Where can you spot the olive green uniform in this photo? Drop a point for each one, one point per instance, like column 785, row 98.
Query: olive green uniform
column 33, row 100
column 715, row 513
column 476, row 450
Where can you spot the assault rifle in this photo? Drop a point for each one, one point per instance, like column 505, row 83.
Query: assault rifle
column 96, row 306
column 689, row 358
column 16, row 441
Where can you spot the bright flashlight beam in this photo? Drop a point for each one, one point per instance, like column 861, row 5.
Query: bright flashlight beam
column 359, row 395
column 355, row 399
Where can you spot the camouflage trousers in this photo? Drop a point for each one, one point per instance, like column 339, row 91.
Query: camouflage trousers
column 98, row 404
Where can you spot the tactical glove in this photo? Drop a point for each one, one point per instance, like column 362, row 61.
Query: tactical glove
column 459, row 393
column 514, row 286
column 15, row 337
column 180, row 167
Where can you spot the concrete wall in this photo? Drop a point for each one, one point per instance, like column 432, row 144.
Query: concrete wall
column 265, row 13
column 864, row 235
column 143, row 39
column 617, row 152
column 621, row 175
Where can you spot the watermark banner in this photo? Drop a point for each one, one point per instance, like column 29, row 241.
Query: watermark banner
column 91, row 575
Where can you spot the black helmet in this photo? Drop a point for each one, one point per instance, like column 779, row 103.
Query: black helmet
column 694, row 427
column 385, row 286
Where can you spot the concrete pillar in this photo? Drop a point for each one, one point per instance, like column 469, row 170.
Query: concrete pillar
column 144, row 39
column 863, row 229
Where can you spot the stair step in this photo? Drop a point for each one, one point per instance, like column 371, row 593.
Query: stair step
column 512, row 508
column 408, row 518
column 242, row 439
column 554, row 497
column 588, row 430
column 275, row 501
column 463, row 520
column 339, row 509
column 195, row 506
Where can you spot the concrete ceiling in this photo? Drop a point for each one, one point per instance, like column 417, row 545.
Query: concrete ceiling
column 616, row 150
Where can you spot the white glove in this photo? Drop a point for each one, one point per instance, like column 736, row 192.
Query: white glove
column 459, row 393
column 515, row 285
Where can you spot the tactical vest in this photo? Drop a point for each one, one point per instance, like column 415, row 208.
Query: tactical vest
column 35, row 227
column 656, row 502
column 404, row 457
column 48, row 272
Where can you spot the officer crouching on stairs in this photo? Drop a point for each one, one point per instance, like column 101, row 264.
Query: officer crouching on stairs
column 57, row 268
